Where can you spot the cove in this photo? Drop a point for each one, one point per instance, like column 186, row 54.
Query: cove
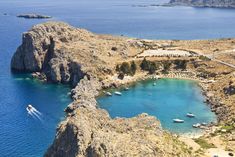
column 168, row 99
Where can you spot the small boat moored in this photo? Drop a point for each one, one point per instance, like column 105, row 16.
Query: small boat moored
column 108, row 94
column 154, row 84
column 178, row 120
column 204, row 124
column 118, row 93
column 190, row 115
column 197, row 125
column 126, row 88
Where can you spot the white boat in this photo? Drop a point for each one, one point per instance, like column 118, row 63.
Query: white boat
column 126, row 88
column 190, row 115
column 178, row 120
column 154, row 84
column 29, row 108
column 108, row 94
column 118, row 93
column 204, row 124
column 196, row 125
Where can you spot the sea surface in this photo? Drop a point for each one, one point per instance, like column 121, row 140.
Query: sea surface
column 167, row 100
column 24, row 135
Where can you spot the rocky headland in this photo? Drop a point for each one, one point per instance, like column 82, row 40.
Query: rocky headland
column 57, row 52
column 204, row 3
column 33, row 16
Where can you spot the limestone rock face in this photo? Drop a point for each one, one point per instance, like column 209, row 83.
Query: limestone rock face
column 40, row 52
column 65, row 54
column 90, row 132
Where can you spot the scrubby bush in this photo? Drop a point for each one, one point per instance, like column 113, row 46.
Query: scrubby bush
column 114, row 48
column 121, row 76
column 204, row 58
column 180, row 64
column 144, row 64
column 117, row 68
column 133, row 68
column 149, row 66
column 204, row 144
column 125, row 68
column 166, row 66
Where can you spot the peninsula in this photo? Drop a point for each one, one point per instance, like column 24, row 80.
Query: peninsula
column 92, row 63
column 204, row 3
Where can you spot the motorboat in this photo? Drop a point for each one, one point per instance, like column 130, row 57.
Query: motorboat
column 190, row 115
column 118, row 93
column 204, row 124
column 29, row 108
column 108, row 94
column 178, row 120
column 197, row 125
column 154, row 84
column 126, row 88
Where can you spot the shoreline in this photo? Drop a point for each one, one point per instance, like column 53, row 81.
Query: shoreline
column 131, row 82
column 91, row 72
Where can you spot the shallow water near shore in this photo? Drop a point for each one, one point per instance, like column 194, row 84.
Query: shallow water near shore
column 168, row 99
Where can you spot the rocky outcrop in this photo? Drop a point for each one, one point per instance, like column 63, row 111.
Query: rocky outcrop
column 40, row 52
column 33, row 16
column 90, row 132
column 205, row 3
column 65, row 54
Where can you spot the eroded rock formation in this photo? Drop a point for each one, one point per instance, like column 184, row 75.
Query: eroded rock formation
column 65, row 54
column 70, row 55
column 89, row 131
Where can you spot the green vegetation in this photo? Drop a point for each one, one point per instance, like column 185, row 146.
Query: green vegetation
column 121, row 76
column 114, row 48
column 180, row 64
column 149, row 66
column 117, row 68
column 133, row 68
column 126, row 69
column 228, row 128
column 204, row 58
column 204, row 144
column 166, row 66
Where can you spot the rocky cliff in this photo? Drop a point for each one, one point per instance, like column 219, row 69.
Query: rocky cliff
column 65, row 54
column 205, row 3
column 69, row 55
column 89, row 131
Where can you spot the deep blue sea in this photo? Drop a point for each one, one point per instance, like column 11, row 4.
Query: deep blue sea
column 23, row 135
column 169, row 99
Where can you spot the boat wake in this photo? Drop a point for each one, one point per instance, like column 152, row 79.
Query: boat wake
column 32, row 111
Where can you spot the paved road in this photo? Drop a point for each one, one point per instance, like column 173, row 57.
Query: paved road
column 211, row 56
column 228, row 64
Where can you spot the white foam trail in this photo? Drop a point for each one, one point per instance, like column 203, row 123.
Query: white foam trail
column 36, row 111
column 35, row 114
column 32, row 115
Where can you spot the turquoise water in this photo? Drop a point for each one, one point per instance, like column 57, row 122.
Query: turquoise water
column 22, row 135
column 169, row 99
